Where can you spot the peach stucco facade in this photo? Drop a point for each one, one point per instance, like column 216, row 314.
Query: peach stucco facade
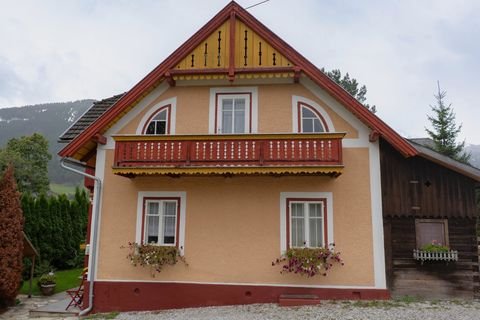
column 274, row 112
column 232, row 224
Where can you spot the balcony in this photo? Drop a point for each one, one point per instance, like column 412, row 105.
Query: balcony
column 257, row 154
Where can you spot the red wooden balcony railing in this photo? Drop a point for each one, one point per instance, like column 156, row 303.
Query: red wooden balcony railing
column 217, row 152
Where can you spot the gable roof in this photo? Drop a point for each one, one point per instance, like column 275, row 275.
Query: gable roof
column 97, row 109
column 231, row 13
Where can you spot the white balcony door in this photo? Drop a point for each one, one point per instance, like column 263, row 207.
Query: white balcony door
column 233, row 114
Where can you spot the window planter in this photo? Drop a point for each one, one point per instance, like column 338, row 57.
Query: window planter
column 447, row 256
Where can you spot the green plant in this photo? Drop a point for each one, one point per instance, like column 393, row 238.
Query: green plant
column 47, row 279
column 309, row 261
column 435, row 246
column 154, row 256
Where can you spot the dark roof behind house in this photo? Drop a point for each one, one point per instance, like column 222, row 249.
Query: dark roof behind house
column 424, row 150
column 93, row 113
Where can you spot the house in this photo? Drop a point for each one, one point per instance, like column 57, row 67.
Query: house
column 234, row 149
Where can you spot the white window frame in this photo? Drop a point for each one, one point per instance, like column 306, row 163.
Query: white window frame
column 153, row 110
column 251, row 106
column 161, row 216
column 306, row 221
column 165, row 109
column 315, row 117
column 284, row 196
column 246, row 120
column 181, row 209
column 298, row 100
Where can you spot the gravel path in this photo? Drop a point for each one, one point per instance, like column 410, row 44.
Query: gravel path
column 334, row 310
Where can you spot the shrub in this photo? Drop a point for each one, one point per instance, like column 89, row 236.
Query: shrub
column 11, row 239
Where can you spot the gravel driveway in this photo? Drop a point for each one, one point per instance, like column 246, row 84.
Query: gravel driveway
column 334, row 310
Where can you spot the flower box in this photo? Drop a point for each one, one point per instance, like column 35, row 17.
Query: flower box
column 447, row 256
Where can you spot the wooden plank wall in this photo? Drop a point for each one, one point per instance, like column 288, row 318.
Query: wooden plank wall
column 438, row 280
column 416, row 187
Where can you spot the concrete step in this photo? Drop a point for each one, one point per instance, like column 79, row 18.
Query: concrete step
column 290, row 300
column 54, row 310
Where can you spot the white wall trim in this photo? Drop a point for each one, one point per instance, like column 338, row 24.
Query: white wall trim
column 213, row 105
column 363, row 131
column 152, row 96
column 283, row 214
column 163, row 194
column 377, row 216
column 99, row 173
column 375, row 176
column 242, row 284
column 173, row 114
column 318, row 108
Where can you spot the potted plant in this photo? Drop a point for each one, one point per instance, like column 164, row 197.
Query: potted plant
column 47, row 283
column 154, row 256
column 435, row 251
column 309, row 261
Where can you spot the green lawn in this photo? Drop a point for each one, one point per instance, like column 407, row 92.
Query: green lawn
column 62, row 188
column 66, row 279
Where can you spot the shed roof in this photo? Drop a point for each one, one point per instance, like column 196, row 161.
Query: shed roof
column 28, row 248
column 425, row 151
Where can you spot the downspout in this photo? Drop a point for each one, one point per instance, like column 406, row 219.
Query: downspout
column 93, row 243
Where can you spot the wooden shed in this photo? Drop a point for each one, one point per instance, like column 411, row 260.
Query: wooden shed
column 428, row 198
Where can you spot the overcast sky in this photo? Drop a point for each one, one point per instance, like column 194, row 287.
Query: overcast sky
column 64, row 50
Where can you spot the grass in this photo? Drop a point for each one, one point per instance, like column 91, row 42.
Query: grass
column 66, row 279
column 62, row 188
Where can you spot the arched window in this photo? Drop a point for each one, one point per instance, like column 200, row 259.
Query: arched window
column 159, row 122
column 310, row 121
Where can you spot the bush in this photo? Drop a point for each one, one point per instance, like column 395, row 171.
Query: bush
column 11, row 239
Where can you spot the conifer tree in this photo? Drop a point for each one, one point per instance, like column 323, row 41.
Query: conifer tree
column 445, row 130
column 11, row 238
column 352, row 86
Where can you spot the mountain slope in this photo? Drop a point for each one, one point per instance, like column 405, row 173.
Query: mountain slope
column 49, row 119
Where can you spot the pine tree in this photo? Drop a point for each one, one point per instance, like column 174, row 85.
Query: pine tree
column 11, row 239
column 444, row 129
column 352, row 86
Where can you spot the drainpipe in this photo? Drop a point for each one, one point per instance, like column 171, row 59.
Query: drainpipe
column 93, row 244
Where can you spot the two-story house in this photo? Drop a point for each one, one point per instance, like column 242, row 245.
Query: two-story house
column 233, row 149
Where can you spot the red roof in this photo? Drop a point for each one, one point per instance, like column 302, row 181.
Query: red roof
column 305, row 66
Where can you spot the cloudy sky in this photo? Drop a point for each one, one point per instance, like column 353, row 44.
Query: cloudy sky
column 52, row 51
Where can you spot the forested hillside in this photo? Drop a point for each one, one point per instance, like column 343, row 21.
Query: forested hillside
column 49, row 119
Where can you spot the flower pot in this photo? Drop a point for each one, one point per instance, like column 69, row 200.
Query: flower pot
column 47, row 289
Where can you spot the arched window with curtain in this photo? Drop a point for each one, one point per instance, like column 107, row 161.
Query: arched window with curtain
column 159, row 122
column 310, row 120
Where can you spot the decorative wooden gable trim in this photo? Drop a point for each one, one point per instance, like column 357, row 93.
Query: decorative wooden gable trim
column 290, row 64
column 232, row 50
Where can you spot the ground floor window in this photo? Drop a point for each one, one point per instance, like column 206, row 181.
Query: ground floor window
column 306, row 223
column 161, row 221
column 306, row 220
column 430, row 231
column 161, row 218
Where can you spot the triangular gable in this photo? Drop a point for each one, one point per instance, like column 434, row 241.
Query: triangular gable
column 248, row 50
column 289, row 61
